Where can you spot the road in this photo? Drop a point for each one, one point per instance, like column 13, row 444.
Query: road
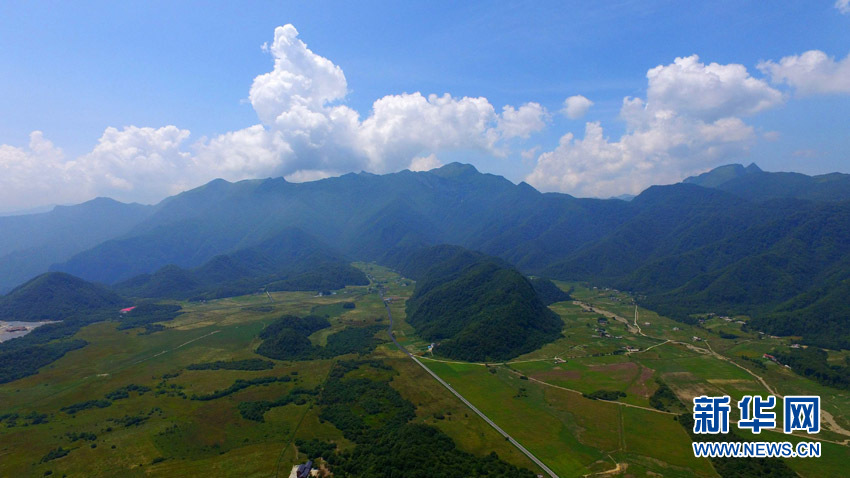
column 465, row 401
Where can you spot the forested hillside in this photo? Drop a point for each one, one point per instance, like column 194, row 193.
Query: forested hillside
column 478, row 308
column 735, row 240
column 291, row 260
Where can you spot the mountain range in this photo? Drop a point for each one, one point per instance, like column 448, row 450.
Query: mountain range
column 735, row 240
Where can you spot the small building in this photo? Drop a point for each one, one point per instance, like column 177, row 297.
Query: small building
column 128, row 309
column 302, row 471
column 695, row 338
column 795, row 346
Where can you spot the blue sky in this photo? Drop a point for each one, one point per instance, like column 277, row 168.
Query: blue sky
column 138, row 101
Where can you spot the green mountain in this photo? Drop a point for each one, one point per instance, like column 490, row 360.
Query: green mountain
column 363, row 216
column 478, row 308
column 756, row 185
column 722, row 174
column 732, row 239
column 292, row 260
column 548, row 292
column 57, row 296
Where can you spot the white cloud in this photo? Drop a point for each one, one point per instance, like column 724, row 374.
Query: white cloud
column 425, row 163
column 300, row 80
column 708, row 92
column 306, row 133
column 576, row 106
column 771, row 135
column 529, row 153
column 521, row 122
column 812, row 72
column 34, row 175
column 403, row 126
column 306, row 175
column 843, row 6
column 137, row 164
column 688, row 122
column 300, row 101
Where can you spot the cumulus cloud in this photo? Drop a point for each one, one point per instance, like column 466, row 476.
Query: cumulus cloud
column 843, row 6
column 689, row 120
column 576, row 107
column 813, row 72
column 708, row 92
column 300, row 101
column 522, row 121
column 137, row 164
column 306, row 132
column 29, row 175
column 300, row 80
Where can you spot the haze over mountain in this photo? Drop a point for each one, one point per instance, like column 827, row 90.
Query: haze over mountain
column 766, row 244
column 30, row 243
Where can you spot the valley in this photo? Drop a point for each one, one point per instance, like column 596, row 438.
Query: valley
column 163, row 424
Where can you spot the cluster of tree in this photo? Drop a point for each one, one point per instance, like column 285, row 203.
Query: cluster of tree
column 75, row 436
column 241, row 384
column 23, row 361
column 478, row 308
column 256, row 410
column 737, row 467
column 33, row 418
column 128, row 421
column 146, row 314
column 377, row 418
column 811, row 362
column 315, row 449
column 759, row 364
column 117, row 394
column 247, row 364
column 664, row 399
column 604, row 395
column 80, row 406
column 54, row 454
column 288, row 339
column 548, row 292
column 124, row 392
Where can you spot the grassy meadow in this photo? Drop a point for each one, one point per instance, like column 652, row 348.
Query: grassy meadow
column 160, row 429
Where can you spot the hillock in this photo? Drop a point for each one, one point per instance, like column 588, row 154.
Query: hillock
column 479, row 308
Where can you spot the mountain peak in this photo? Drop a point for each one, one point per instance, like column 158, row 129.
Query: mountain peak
column 455, row 170
column 722, row 174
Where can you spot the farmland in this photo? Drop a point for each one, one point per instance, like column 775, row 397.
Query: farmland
column 164, row 426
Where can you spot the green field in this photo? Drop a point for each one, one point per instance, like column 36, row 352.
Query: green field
column 536, row 398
